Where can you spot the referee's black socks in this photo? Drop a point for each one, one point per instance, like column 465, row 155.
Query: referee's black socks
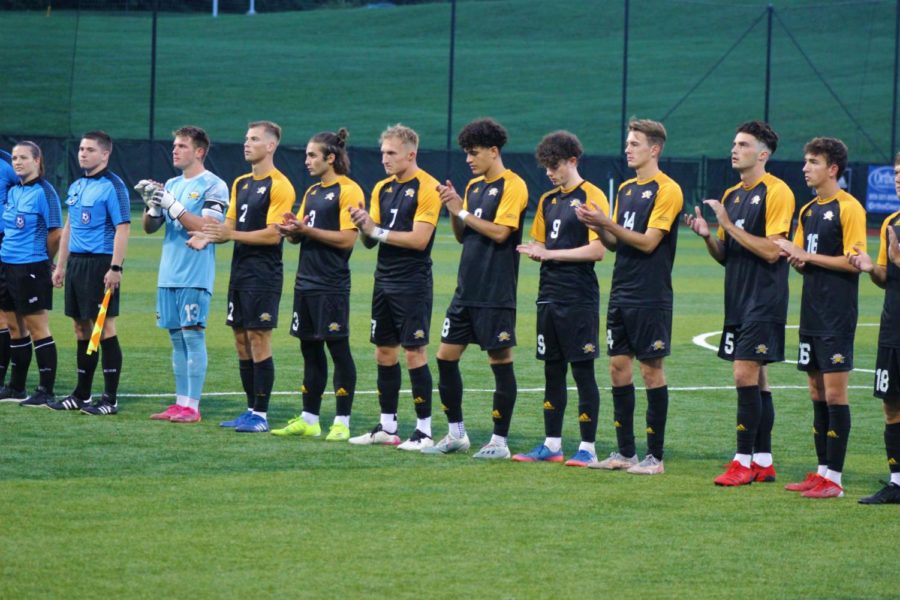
column 45, row 355
column 86, row 365
column 505, row 391
column 111, row 359
column 19, row 360
column 4, row 353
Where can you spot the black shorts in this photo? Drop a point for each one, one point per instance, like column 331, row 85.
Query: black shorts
column 29, row 288
column 825, row 354
column 567, row 332
column 84, row 286
column 252, row 309
column 759, row 341
column 400, row 318
column 887, row 373
column 321, row 316
column 644, row 332
column 490, row 328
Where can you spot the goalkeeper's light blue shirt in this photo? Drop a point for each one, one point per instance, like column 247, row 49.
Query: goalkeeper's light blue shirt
column 97, row 204
column 181, row 267
column 31, row 210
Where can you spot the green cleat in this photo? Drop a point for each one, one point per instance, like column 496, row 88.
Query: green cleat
column 338, row 433
column 297, row 426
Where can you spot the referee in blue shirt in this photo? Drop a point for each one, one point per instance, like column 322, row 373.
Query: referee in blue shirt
column 8, row 178
column 91, row 253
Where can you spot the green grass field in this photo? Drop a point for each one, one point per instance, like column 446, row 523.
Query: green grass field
column 126, row 507
column 535, row 65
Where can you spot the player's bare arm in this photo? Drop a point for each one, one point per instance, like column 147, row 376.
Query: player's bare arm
column 862, row 261
column 594, row 218
column 764, row 247
column 593, row 251
column 450, row 198
column 113, row 279
column 59, row 273
column 219, row 233
column 798, row 257
column 364, row 223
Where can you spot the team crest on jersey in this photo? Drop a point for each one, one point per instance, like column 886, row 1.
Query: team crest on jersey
column 492, row 192
column 658, row 345
column 329, row 196
column 409, row 193
column 647, row 194
column 194, row 195
column 584, row 418
column 755, row 199
column 761, row 349
column 503, row 336
column 548, row 405
column 419, row 334
column 838, row 359
column 85, row 217
column 334, row 327
column 588, row 348
column 574, row 203
column 265, row 317
column 829, row 215
column 261, row 190
column 20, row 222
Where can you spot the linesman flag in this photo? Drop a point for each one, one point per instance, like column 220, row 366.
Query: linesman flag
column 94, row 344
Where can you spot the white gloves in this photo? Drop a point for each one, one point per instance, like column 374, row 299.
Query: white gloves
column 167, row 201
column 147, row 188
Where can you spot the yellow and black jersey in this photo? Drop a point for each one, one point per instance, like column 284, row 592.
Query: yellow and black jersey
column 396, row 205
column 640, row 279
column 256, row 203
column 556, row 226
column 830, row 227
column 755, row 289
column 324, row 269
column 489, row 272
column 889, row 334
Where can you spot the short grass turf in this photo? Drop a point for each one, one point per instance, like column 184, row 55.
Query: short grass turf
column 126, row 507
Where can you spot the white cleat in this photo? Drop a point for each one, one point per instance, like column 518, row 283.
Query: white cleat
column 649, row 466
column 449, row 445
column 493, row 451
column 377, row 436
column 417, row 442
column 614, row 462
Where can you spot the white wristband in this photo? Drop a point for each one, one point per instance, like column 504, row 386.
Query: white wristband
column 176, row 210
column 462, row 215
column 380, row 234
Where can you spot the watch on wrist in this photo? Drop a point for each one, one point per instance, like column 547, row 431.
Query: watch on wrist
column 115, row 268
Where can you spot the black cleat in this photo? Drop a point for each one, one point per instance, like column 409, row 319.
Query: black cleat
column 7, row 394
column 101, row 407
column 70, row 402
column 40, row 397
column 889, row 494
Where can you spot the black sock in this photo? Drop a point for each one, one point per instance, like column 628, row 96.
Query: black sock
column 111, row 359
column 19, row 360
column 555, row 397
column 389, row 388
column 263, row 382
column 45, row 355
column 505, row 390
column 623, row 415
column 657, row 413
column 315, row 375
column 588, row 399
column 892, row 446
column 763, row 441
column 748, row 410
column 450, row 387
column 245, row 368
column 4, row 354
column 86, row 365
column 838, row 435
column 820, row 431
column 344, row 380
column 421, row 383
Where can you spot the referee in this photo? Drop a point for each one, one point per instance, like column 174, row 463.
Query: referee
column 91, row 253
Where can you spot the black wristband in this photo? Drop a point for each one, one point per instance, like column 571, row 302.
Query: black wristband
column 115, row 268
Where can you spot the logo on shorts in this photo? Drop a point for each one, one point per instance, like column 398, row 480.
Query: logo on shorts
column 419, row 334
column 32, row 300
column 584, row 418
column 20, row 222
column 418, row 400
column 409, row 193
column 334, row 327
column 85, row 217
column 341, row 392
column 265, row 317
column 838, row 359
column 495, row 414
column 762, row 349
column 829, row 215
column 755, row 199
column 504, row 336
column 548, row 405
column 588, row 348
column 658, row 345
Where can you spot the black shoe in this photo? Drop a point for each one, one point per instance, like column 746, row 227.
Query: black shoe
column 101, row 407
column 889, row 494
column 7, row 394
column 40, row 397
column 70, row 402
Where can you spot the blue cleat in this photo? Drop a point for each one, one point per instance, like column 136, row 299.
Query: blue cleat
column 539, row 453
column 236, row 422
column 253, row 424
column 582, row 458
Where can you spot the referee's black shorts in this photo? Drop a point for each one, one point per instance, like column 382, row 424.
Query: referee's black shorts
column 29, row 288
column 84, row 286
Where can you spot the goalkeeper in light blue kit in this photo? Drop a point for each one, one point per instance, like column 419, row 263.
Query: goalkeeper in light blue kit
column 187, row 266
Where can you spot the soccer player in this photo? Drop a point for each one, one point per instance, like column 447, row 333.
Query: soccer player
column 568, row 303
column 8, row 179
column 829, row 227
column 885, row 273
column 186, row 272
column 753, row 215
column 643, row 232
column 31, row 222
column 401, row 220
column 91, row 257
column 259, row 199
column 488, row 224
column 326, row 235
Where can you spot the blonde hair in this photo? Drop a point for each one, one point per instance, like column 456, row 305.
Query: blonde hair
column 401, row 132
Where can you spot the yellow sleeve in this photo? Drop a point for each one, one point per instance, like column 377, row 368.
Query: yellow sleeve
column 668, row 205
column 429, row 208
column 798, row 235
column 853, row 224
column 779, row 210
column 883, row 237
column 281, row 200
column 231, row 213
column 465, row 202
column 512, row 204
column 375, row 203
column 595, row 196
column 302, row 210
column 351, row 196
column 538, row 227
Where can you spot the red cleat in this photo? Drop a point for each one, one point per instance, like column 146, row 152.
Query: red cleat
column 737, row 474
column 187, row 415
column 763, row 474
column 811, row 481
column 826, row 488
column 166, row 415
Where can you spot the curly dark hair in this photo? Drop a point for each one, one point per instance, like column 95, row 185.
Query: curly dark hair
column 762, row 132
column 482, row 133
column 833, row 149
column 558, row 147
